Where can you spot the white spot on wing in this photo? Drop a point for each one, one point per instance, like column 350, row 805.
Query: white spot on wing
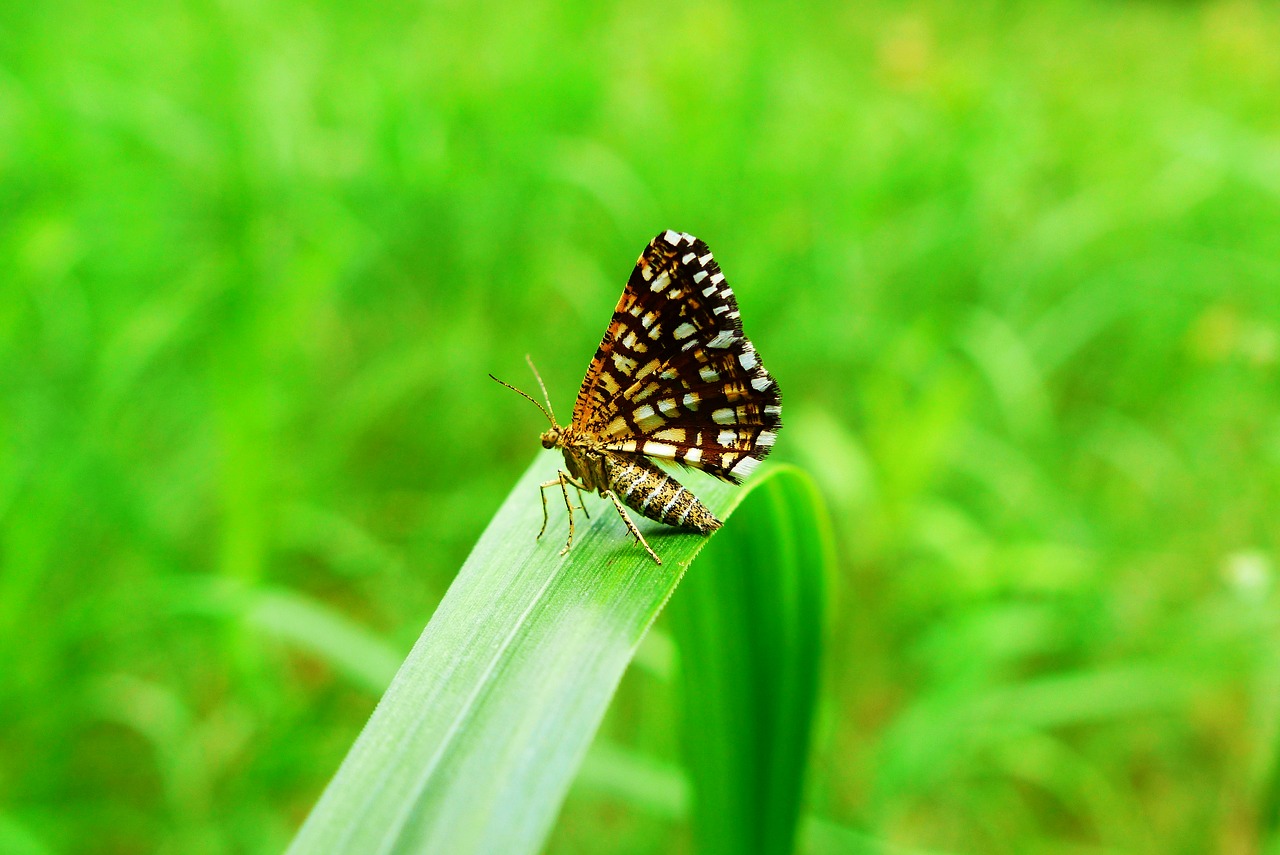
column 659, row 449
column 717, row 278
column 708, row 374
column 724, row 338
column 705, row 259
column 760, row 384
column 699, row 276
column 691, row 401
column 661, row 282
column 724, row 416
column 745, row 467
column 726, row 438
column 748, row 359
column 684, row 330
column 687, row 258
column 773, row 410
column 671, row 237
column 766, row 438
column 693, row 455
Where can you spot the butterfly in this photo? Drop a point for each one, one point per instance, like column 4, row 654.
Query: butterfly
column 674, row 379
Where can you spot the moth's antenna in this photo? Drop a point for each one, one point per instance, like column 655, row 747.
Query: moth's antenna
column 545, row 396
column 550, row 418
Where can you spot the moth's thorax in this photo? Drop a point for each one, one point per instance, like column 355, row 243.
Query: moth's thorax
column 586, row 464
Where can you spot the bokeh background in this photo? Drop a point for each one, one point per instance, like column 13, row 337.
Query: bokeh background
column 1016, row 266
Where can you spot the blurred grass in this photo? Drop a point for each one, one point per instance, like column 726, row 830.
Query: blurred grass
column 1015, row 266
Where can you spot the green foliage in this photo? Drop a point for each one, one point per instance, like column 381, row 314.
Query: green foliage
column 1014, row 266
column 748, row 623
column 476, row 741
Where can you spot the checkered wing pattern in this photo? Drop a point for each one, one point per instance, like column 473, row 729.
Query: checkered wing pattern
column 675, row 378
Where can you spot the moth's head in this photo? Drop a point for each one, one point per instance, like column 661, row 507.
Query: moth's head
column 551, row 438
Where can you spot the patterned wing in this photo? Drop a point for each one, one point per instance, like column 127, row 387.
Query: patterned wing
column 675, row 378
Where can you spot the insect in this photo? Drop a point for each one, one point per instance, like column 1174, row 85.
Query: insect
column 674, row 379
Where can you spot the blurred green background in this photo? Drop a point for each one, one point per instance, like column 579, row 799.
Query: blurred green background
column 1015, row 266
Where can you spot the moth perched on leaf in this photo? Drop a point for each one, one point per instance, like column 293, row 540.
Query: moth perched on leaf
column 674, row 379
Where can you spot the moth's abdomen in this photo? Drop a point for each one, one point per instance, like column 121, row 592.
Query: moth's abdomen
column 654, row 493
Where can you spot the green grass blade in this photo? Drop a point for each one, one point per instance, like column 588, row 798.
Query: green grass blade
column 749, row 626
column 480, row 734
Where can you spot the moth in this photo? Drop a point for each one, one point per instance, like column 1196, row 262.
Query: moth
column 674, row 379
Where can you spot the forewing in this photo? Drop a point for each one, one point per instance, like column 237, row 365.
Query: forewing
column 675, row 378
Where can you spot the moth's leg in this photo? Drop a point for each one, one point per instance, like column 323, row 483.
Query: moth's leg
column 558, row 481
column 582, row 501
column 632, row 526
column 564, row 481
column 542, row 491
